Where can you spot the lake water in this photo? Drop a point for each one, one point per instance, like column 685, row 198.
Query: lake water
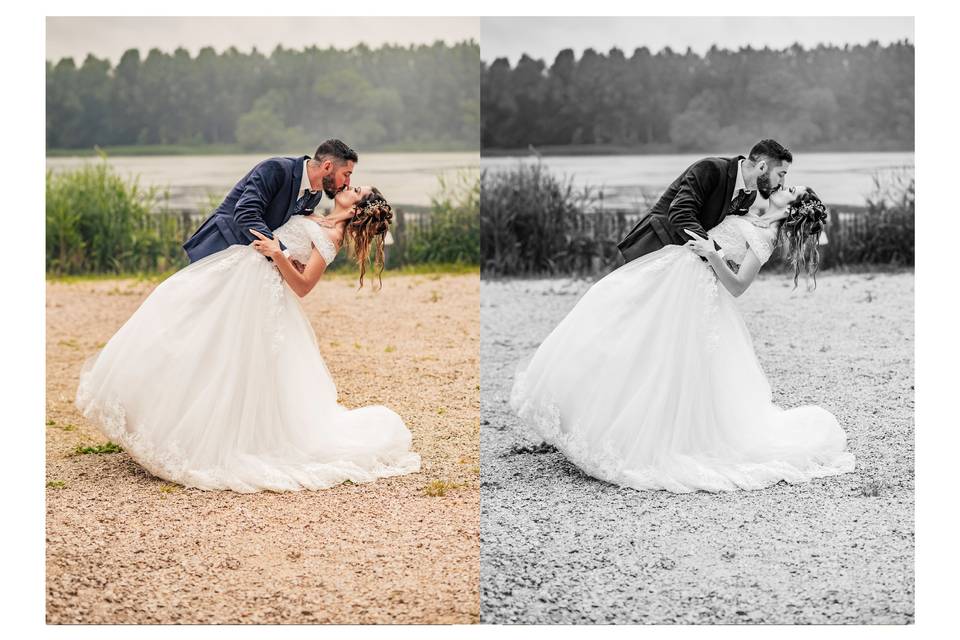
column 839, row 178
column 404, row 178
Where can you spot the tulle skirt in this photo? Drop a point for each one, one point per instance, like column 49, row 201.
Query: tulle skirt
column 651, row 382
column 217, row 382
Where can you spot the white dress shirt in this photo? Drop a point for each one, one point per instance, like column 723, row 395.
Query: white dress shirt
column 740, row 184
column 304, row 181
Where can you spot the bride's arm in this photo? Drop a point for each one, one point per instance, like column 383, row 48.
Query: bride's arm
column 735, row 283
column 301, row 283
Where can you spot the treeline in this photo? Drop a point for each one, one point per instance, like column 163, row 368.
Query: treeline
column 851, row 97
column 425, row 96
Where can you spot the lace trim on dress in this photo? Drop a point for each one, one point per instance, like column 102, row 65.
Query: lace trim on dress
column 707, row 282
column 761, row 240
column 729, row 239
column 605, row 462
column 168, row 463
column 171, row 462
column 544, row 419
column 320, row 239
column 276, row 308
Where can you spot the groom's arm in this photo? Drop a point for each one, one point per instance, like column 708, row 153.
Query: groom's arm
column 701, row 179
column 264, row 183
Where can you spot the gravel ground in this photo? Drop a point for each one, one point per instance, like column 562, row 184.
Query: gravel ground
column 126, row 547
column 560, row 547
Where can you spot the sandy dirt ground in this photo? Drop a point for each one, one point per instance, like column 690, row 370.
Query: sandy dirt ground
column 126, row 547
column 560, row 547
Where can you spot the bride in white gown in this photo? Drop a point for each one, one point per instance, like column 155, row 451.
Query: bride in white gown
column 651, row 381
column 217, row 382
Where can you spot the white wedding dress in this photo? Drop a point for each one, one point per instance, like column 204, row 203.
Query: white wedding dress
column 651, row 382
column 217, row 382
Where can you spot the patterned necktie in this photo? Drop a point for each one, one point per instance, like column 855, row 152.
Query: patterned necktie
column 741, row 204
column 304, row 201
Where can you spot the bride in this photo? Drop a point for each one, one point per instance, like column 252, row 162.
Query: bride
column 651, row 381
column 216, row 381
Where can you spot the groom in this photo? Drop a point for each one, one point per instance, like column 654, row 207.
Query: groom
column 270, row 193
column 704, row 194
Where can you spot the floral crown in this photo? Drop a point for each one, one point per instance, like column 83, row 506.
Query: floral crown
column 375, row 211
column 809, row 218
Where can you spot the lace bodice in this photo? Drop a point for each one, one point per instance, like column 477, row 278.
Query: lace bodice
column 300, row 235
column 736, row 233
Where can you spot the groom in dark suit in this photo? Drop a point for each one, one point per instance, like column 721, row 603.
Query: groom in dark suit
column 704, row 194
column 270, row 193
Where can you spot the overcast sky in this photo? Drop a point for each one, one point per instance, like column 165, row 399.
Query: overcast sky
column 110, row 37
column 543, row 38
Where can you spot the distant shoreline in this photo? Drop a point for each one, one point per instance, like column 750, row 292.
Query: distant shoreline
column 660, row 149
column 233, row 149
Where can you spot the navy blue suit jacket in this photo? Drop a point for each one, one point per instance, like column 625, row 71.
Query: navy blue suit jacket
column 263, row 199
column 697, row 200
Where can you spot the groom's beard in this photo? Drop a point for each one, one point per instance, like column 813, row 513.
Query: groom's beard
column 329, row 186
column 764, row 187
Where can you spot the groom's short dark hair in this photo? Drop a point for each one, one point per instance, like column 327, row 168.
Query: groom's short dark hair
column 771, row 149
column 336, row 150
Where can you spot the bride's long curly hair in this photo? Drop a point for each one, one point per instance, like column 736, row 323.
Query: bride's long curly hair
column 368, row 230
column 800, row 229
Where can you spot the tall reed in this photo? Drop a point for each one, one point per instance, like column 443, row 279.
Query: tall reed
column 451, row 234
column 99, row 222
column 529, row 221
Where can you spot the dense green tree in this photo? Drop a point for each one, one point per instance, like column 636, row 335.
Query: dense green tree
column 423, row 95
column 859, row 97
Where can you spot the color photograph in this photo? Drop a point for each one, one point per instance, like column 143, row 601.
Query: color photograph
column 262, row 339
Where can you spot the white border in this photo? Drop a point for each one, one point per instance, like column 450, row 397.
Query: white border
column 22, row 380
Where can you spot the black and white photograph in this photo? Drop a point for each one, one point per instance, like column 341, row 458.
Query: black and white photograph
column 697, row 312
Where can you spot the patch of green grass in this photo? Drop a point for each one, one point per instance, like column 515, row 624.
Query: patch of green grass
column 434, row 296
column 56, row 484
column 169, row 487
column 441, row 411
column 357, row 345
column 51, row 423
column 107, row 447
column 433, row 270
column 69, row 343
column 439, row 488
column 390, row 349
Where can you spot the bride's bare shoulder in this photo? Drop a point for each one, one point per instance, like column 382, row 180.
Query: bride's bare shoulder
column 333, row 234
